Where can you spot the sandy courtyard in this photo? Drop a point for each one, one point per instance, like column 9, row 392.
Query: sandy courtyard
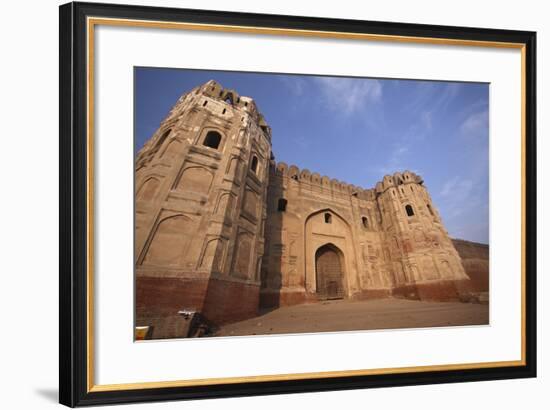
column 341, row 315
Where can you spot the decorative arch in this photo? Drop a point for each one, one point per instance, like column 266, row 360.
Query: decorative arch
column 163, row 137
column 328, row 210
column 212, row 254
column 250, row 202
column 446, row 269
column 233, row 168
column 169, row 241
column 195, row 179
column 340, row 234
column 224, row 205
column 243, row 252
column 148, row 189
column 172, row 149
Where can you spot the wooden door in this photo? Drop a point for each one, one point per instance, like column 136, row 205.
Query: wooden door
column 329, row 273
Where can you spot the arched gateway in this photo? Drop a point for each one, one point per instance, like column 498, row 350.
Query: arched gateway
column 329, row 272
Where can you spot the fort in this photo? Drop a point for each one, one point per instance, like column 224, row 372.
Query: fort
column 223, row 230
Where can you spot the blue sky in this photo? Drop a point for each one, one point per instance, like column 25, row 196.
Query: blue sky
column 359, row 129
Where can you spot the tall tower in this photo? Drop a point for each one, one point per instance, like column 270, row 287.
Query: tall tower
column 201, row 183
column 422, row 258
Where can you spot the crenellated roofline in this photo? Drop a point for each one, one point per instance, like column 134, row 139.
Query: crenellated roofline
column 305, row 175
column 398, row 178
column 213, row 89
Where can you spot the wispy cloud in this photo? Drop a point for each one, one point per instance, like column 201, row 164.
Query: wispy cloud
column 404, row 148
column 396, row 160
column 426, row 120
column 449, row 93
column 349, row 96
column 456, row 187
column 458, row 195
column 476, row 124
column 429, row 97
column 296, row 85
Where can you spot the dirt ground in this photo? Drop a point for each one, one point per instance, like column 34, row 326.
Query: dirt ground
column 341, row 315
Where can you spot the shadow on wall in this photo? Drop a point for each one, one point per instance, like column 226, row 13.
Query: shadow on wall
column 272, row 263
column 51, row 394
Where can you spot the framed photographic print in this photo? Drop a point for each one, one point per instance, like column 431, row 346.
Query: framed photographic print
column 259, row 204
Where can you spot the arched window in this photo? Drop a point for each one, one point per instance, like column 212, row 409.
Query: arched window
column 365, row 222
column 212, row 139
column 254, row 164
column 328, row 218
column 409, row 210
column 281, row 205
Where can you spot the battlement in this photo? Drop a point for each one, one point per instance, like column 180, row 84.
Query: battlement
column 281, row 169
column 214, row 90
column 398, row 178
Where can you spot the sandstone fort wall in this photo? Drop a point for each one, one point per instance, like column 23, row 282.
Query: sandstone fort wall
column 222, row 229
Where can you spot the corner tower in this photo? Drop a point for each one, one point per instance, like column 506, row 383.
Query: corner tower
column 424, row 262
column 201, row 183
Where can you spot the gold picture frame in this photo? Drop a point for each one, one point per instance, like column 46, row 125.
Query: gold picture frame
column 77, row 44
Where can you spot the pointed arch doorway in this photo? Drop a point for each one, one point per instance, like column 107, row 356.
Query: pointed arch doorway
column 329, row 263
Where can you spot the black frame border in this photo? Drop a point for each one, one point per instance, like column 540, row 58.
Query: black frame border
column 73, row 389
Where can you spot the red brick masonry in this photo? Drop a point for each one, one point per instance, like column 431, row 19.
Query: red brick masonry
column 159, row 299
